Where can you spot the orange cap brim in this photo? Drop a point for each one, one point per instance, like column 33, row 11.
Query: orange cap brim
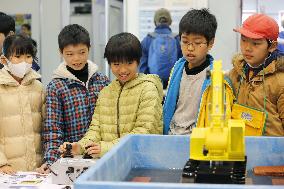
column 248, row 33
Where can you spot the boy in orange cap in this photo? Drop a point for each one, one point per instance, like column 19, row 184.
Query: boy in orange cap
column 258, row 73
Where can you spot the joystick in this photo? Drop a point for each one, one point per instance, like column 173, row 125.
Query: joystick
column 67, row 153
column 86, row 155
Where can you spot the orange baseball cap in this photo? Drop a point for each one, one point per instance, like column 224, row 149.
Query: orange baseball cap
column 259, row 26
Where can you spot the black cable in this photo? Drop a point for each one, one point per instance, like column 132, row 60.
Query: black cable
column 49, row 167
column 68, row 174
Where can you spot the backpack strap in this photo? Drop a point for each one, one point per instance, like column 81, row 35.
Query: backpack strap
column 153, row 34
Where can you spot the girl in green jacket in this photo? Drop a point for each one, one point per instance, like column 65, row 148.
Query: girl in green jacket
column 130, row 104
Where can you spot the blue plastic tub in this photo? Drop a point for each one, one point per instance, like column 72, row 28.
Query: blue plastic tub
column 169, row 152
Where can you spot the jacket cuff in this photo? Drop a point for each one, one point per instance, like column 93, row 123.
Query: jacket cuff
column 104, row 148
column 82, row 146
column 3, row 160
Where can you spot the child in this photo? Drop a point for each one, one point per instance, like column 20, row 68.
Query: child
column 131, row 104
column 197, row 30
column 258, row 74
column 161, row 48
column 21, row 101
column 72, row 93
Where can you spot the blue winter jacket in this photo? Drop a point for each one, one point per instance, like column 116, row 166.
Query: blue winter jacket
column 173, row 91
column 281, row 46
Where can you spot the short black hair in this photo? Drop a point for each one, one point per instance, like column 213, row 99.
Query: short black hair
column 199, row 21
column 123, row 47
column 73, row 34
column 26, row 26
column 19, row 45
column 7, row 24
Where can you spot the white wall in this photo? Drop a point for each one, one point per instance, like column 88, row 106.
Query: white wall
column 271, row 8
column 228, row 15
column 132, row 25
column 98, row 28
column 51, row 26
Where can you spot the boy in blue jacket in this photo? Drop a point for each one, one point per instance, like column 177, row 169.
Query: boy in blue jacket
column 197, row 30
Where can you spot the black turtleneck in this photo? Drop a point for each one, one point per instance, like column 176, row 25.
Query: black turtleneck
column 82, row 74
column 198, row 69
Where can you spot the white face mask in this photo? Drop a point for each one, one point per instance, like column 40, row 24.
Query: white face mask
column 19, row 70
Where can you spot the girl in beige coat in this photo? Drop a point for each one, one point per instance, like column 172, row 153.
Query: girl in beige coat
column 21, row 103
column 131, row 104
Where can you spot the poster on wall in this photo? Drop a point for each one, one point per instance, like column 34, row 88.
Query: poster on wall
column 21, row 19
column 177, row 9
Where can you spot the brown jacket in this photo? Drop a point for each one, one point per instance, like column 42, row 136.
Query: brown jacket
column 21, row 117
column 253, row 92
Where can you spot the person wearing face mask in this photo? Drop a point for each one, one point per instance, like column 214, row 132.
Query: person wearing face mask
column 22, row 102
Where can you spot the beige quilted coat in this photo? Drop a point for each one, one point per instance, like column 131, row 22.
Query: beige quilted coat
column 21, row 121
column 135, row 108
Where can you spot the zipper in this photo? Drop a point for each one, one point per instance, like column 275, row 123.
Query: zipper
column 86, row 86
column 117, row 106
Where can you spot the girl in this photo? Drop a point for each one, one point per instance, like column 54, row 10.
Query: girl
column 21, row 102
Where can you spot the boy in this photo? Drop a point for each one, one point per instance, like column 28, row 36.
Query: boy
column 72, row 93
column 197, row 30
column 258, row 74
column 131, row 104
column 26, row 30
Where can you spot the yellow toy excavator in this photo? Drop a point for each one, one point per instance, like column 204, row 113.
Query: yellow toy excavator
column 217, row 150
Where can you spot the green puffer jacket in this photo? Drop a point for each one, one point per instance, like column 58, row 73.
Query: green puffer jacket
column 135, row 108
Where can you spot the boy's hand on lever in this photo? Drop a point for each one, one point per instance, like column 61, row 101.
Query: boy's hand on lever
column 93, row 149
column 75, row 148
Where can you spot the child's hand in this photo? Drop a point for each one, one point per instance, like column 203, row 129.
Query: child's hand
column 93, row 149
column 7, row 169
column 43, row 169
column 75, row 148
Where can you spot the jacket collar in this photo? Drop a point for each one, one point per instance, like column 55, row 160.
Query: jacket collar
column 62, row 73
column 276, row 65
column 7, row 79
column 163, row 29
column 140, row 79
